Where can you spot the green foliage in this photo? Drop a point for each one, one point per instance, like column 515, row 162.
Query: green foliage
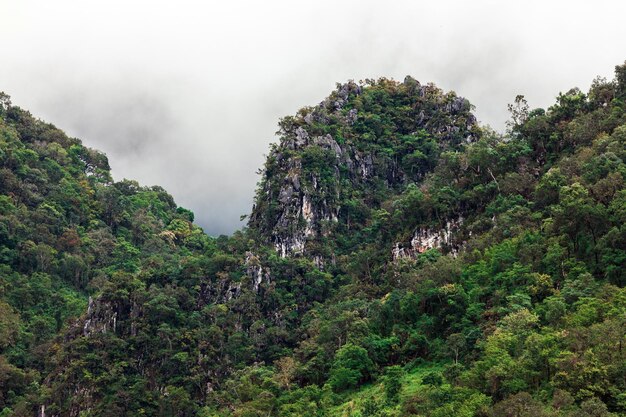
column 352, row 366
column 451, row 271
column 393, row 383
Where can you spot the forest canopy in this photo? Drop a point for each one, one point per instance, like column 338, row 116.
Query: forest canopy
column 400, row 260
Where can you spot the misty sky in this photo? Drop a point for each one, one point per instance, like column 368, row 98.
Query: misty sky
column 187, row 94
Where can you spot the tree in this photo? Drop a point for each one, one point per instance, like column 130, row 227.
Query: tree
column 352, row 366
column 519, row 112
column 455, row 343
column 286, row 369
column 620, row 78
column 392, row 382
column 593, row 407
column 5, row 102
column 519, row 405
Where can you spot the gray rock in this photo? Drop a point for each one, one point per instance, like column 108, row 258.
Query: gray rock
column 302, row 137
column 285, row 194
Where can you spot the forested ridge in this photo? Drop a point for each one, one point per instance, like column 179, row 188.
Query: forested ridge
column 400, row 260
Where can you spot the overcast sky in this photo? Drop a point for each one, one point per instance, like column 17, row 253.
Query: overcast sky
column 187, row 94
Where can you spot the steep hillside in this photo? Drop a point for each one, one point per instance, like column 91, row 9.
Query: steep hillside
column 340, row 160
column 400, row 260
column 68, row 231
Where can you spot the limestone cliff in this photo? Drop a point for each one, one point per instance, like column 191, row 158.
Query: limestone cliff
column 363, row 141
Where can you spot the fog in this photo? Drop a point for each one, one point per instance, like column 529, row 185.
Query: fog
column 187, row 94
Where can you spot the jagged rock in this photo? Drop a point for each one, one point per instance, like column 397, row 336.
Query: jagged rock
column 318, row 261
column 295, row 206
column 426, row 238
column 101, row 317
column 233, row 291
column 365, row 165
column 256, row 272
column 285, row 193
column 352, row 117
column 223, row 289
column 301, row 137
column 328, row 142
column 220, row 291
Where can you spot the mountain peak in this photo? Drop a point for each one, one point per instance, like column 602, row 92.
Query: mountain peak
column 363, row 142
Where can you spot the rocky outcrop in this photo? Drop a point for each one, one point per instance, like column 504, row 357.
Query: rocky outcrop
column 101, row 318
column 223, row 288
column 256, row 273
column 300, row 195
column 426, row 238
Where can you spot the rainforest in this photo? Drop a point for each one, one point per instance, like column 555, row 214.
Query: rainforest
column 400, row 259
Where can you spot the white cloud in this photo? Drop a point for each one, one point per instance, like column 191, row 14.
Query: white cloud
column 187, row 94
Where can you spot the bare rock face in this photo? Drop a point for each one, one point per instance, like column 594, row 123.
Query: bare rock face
column 105, row 316
column 101, row 318
column 257, row 273
column 224, row 289
column 424, row 239
column 220, row 291
column 299, row 198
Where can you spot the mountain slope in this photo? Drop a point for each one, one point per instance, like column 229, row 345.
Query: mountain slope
column 399, row 260
column 341, row 159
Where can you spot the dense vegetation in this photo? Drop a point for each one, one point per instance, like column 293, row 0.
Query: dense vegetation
column 113, row 303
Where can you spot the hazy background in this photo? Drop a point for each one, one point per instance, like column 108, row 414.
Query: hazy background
column 187, row 94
